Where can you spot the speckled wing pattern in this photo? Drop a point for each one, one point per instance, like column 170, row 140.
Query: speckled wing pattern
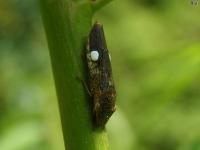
column 100, row 77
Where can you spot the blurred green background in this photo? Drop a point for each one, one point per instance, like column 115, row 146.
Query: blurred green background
column 155, row 49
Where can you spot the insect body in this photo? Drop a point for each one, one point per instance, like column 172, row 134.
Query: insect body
column 194, row 2
column 100, row 76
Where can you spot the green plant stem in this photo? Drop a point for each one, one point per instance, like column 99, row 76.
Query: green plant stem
column 67, row 24
column 98, row 4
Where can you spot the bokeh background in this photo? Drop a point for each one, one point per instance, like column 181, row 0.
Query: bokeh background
column 155, row 50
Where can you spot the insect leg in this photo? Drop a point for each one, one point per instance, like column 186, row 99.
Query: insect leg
column 85, row 85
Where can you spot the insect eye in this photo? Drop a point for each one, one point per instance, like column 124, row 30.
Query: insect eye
column 94, row 55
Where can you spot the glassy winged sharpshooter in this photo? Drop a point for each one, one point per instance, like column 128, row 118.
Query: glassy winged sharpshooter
column 101, row 85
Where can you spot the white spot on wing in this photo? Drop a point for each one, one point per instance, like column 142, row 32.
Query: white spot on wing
column 94, row 55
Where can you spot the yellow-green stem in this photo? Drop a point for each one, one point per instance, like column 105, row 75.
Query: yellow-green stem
column 67, row 24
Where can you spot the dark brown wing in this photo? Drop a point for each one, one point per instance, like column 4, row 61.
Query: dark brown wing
column 101, row 82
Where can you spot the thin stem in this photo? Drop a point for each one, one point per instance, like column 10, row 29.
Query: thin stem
column 98, row 4
column 67, row 24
